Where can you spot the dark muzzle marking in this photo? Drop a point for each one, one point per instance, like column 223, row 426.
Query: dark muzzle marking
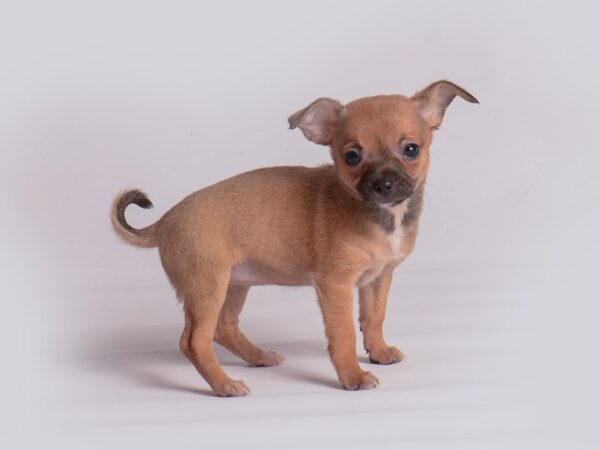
column 385, row 184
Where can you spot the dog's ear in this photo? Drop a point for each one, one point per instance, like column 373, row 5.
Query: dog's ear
column 435, row 98
column 318, row 121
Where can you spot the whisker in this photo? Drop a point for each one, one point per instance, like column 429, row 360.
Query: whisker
column 429, row 185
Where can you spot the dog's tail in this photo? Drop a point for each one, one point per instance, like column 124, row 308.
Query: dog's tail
column 139, row 237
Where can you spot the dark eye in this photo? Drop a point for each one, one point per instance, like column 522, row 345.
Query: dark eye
column 352, row 157
column 411, row 151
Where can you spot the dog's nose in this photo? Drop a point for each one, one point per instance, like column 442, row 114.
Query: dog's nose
column 383, row 186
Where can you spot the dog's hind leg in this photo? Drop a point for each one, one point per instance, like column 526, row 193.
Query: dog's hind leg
column 203, row 301
column 229, row 335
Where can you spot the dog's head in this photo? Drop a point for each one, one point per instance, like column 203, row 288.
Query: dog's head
column 380, row 145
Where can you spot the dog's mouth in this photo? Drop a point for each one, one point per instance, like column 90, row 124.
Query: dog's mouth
column 395, row 202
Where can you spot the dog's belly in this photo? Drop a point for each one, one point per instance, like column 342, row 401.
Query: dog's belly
column 253, row 274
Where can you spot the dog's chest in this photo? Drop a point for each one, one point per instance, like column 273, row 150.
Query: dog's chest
column 395, row 238
column 394, row 243
column 390, row 248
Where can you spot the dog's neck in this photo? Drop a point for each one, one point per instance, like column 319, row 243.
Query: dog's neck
column 395, row 212
column 404, row 214
column 414, row 207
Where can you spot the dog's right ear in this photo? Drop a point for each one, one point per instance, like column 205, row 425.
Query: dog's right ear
column 318, row 121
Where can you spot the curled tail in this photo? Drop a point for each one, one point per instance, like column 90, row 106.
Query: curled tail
column 143, row 237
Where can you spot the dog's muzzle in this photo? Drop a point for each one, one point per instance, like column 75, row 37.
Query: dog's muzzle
column 385, row 185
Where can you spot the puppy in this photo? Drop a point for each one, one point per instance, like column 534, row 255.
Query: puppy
column 337, row 227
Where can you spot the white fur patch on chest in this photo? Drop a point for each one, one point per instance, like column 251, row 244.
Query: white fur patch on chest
column 396, row 238
column 393, row 247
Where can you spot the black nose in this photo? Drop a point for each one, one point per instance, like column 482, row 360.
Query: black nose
column 383, row 186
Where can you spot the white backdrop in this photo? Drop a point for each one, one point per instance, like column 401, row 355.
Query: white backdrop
column 173, row 96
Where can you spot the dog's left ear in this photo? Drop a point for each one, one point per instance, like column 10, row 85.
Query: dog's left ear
column 435, row 98
column 318, row 121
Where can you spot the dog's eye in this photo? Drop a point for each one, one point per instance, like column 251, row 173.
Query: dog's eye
column 352, row 157
column 411, row 151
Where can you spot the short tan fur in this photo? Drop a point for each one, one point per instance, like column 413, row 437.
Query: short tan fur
column 335, row 227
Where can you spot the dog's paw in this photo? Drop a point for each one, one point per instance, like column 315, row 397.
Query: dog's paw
column 268, row 359
column 360, row 380
column 385, row 355
column 232, row 388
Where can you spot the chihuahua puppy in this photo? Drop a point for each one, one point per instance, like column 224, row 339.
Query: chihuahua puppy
column 337, row 227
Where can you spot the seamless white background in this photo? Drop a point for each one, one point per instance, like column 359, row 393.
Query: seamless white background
column 173, row 96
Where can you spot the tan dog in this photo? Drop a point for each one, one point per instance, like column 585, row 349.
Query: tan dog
column 334, row 227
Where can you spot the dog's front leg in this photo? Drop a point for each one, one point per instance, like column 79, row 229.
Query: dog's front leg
column 373, row 301
column 336, row 301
